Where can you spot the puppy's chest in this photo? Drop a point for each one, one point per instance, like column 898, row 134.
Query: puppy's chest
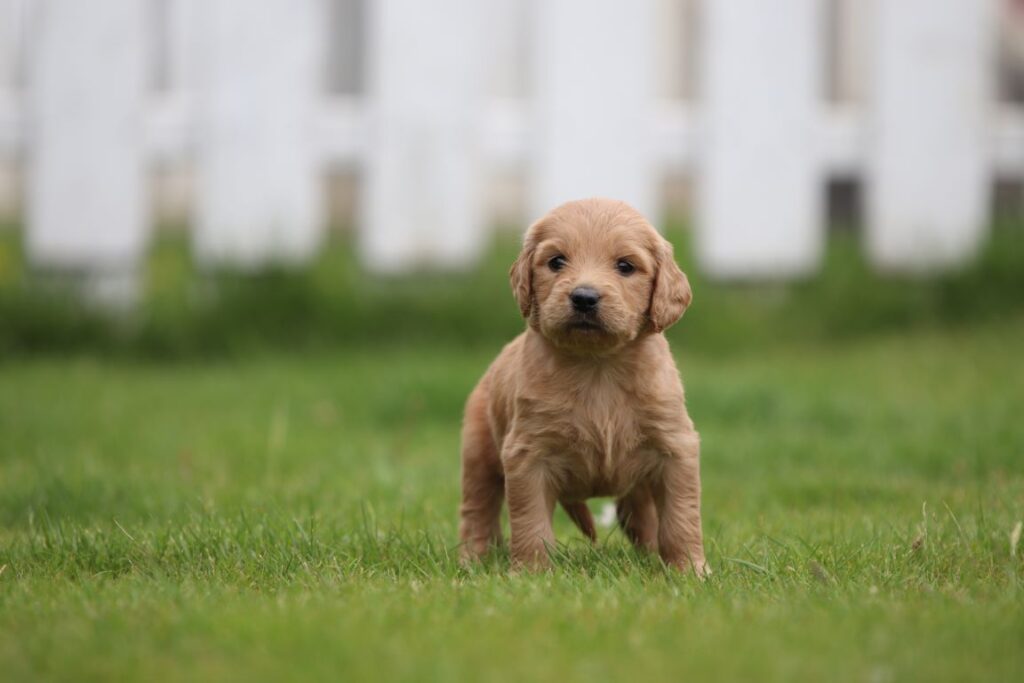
column 597, row 447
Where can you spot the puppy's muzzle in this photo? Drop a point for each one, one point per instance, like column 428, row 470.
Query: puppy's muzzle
column 585, row 299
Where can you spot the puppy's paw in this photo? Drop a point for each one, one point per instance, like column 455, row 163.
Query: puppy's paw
column 702, row 569
column 699, row 567
column 533, row 561
column 537, row 565
column 474, row 551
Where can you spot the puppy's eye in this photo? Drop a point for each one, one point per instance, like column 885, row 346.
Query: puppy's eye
column 557, row 263
column 625, row 267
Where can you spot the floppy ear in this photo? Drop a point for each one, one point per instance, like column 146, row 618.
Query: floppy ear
column 521, row 275
column 671, row 293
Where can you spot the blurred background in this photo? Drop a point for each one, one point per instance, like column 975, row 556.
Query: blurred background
column 161, row 156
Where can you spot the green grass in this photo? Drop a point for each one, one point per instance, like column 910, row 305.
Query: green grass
column 268, row 515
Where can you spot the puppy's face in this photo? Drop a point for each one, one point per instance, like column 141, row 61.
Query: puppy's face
column 594, row 275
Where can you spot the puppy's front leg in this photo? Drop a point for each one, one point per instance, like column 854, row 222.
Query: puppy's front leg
column 531, row 504
column 677, row 497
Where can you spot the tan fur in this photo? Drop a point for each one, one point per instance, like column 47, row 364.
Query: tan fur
column 564, row 414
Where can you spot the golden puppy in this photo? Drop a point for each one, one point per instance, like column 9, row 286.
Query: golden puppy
column 587, row 401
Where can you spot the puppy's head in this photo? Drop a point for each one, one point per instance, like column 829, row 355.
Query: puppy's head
column 594, row 276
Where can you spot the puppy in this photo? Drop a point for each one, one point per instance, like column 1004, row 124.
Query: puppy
column 587, row 401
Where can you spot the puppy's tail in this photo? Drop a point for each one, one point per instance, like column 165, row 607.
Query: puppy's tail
column 579, row 513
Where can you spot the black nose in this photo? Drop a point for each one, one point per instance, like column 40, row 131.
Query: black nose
column 584, row 299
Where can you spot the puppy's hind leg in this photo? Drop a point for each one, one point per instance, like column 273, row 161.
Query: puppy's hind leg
column 638, row 518
column 483, row 483
column 579, row 513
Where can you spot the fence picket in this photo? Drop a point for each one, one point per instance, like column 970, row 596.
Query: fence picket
column 760, row 201
column 12, row 14
column 12, row 75
column 422, row 191
column 929, row 167
column 87, row 199
column 259, row 188
column 594, row 82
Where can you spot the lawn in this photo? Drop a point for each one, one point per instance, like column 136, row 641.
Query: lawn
column 283, row 514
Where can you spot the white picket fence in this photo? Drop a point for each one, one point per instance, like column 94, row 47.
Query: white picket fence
column 242, row 97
